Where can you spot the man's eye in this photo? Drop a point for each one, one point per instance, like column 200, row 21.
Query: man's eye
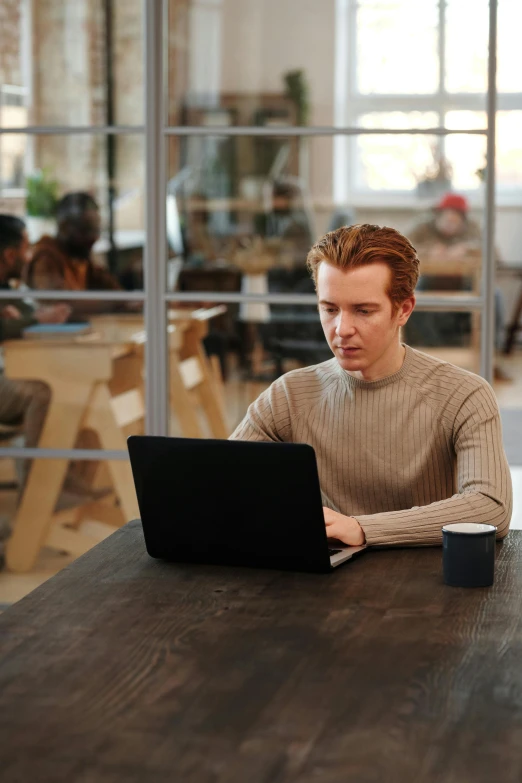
column 364, row 312
column 329, row 310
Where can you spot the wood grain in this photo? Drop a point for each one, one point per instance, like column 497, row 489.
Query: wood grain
column 122, row 668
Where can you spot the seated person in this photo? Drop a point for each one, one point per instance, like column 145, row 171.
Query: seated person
column 64, row 262
column 24, row 403
column 405, row 442
column 449, row 235
column 17, row 314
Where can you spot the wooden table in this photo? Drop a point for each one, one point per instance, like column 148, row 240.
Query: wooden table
column 96, row 383
column 122, row 668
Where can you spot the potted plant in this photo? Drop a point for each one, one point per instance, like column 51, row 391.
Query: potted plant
column 436, row 178
column 40, row 204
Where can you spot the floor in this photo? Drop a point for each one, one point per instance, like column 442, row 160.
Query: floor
column 239, row 394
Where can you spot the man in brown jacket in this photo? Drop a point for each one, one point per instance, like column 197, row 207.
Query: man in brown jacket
column 64, row 262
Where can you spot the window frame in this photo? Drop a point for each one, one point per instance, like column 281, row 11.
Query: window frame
column 350, row 105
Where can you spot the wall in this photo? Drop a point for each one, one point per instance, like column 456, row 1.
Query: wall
column 10, row 70
column 263, row 40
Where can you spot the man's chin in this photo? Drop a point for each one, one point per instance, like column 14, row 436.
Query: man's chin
column 351, row 363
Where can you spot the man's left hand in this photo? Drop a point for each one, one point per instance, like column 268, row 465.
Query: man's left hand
column 345, row 529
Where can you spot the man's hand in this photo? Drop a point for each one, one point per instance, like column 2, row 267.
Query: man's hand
column 345, row 529
column 11, row 312
column 55, row 314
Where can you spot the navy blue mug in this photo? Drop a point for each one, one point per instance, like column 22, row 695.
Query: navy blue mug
column 468, row 554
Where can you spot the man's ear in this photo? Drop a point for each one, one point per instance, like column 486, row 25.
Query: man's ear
column 405, row 310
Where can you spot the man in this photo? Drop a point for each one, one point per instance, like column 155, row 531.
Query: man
column 17, row 314
column 64, row 263
column 450, row 235
column 405, row 443
column 22, row 403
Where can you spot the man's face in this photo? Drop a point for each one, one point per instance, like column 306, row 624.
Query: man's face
column 358, row 320
column 450, row 222
column 81, row 230
column 15, row 258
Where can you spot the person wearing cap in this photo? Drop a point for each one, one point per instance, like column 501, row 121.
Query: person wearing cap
column 450, row 234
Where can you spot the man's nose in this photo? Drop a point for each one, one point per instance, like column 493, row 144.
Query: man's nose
column 345, row 325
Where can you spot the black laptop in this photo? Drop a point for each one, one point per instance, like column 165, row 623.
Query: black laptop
column 233, row 502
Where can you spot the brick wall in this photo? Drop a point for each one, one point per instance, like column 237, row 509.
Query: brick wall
column 70, row 89
column 10, row 71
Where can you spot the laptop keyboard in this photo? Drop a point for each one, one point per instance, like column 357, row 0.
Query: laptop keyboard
column 334, row 551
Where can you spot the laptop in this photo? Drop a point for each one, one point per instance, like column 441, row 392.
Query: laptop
column 233, row 502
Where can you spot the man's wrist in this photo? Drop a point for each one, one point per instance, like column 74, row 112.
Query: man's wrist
column 363, row 535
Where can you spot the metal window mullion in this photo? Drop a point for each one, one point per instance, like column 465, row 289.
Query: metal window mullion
column 463, row 303
column 15, row 452
column 73, row 130
column 488, row 246
column 442, row 73
column 318, row 130
column 77, row 296
column 156, row 391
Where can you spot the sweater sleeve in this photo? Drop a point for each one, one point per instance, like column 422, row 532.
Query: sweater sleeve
column 268, row 418
column 12, row 328
column 483, row 483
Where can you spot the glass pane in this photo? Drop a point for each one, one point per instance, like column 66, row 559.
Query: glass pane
column 453, row 337
column 394, row 162
column 227, row 212
column 382, row 66
column 509, row 60
column 467, row 151
column 227, row 354
column 68, row 63
column 37, row 171
column 243, row 62
column 509, row 149
column 467, row 157
column 81, row 519
column 466, row 63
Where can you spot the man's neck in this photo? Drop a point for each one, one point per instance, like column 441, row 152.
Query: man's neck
column 387, row 365
column 79, row 253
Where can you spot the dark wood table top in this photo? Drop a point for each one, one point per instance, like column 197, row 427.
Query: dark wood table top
column 122, row 668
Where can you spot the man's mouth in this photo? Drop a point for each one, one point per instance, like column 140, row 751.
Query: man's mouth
column 348, row 350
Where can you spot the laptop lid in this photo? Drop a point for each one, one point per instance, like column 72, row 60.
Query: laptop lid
column 230, row 502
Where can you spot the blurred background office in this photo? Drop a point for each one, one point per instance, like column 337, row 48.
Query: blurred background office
column 279, row 121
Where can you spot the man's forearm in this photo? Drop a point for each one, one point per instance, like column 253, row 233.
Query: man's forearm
column 422, row 525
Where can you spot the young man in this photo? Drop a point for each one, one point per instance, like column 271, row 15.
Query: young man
column 405, row 443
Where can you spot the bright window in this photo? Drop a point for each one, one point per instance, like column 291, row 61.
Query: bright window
column 410, row 64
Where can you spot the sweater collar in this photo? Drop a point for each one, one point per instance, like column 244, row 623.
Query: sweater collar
column 358, row 383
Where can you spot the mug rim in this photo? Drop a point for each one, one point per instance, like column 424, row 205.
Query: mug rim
column 490, row 529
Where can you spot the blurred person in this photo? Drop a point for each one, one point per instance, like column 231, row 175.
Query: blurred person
column 405, row 442
column 15, row 254
column 65, row 263
column 449, row 235
column 24, row 404
column 450, row 232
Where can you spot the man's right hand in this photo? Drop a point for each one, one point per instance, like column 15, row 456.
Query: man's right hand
column 54, row 314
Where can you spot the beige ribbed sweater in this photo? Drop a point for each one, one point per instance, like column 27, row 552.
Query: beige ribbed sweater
column 404, row 455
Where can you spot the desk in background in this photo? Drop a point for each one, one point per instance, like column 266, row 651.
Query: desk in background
column 96, row 381
column 123, row 668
